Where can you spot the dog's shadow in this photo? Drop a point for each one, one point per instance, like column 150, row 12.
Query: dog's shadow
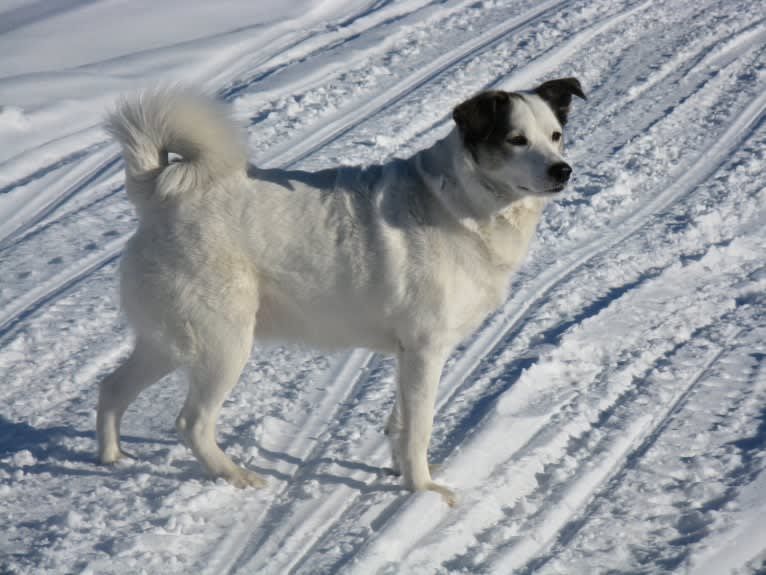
column 58, row 449
column 318, row 469
column 62, row 450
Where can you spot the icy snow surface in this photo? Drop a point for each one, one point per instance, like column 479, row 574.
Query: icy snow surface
column 610, row 418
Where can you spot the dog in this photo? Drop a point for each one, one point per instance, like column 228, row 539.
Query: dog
column 404, row 258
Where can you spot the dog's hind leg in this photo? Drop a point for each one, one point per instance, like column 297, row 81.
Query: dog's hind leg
column 145, row 366
column 211, row 376
column 393, row 432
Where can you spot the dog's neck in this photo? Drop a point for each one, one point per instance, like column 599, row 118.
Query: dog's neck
column 472, row 201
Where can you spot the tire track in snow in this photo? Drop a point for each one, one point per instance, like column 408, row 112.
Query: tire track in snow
column 646, row 467
column 623, row 451
column 36, row 299
column 342, row 384
column 40, row 219
column 720, row 333
column 699, row 53
column 84, row 174
column 337, row 127
column 332, row 38
column 691, row 59
column 640, row 435
column 629, row 444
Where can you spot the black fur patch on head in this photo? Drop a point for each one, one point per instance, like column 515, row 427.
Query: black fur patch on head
column 558, row 94
column 484, row 119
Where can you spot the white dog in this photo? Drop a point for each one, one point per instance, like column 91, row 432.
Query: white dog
column 404, row 258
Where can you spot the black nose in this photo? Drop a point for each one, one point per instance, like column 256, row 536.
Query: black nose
column 560, row 172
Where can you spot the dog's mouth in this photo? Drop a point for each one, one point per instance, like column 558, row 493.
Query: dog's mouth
column 546, row 191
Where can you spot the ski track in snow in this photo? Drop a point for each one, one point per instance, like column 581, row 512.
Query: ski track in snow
column 608, row 418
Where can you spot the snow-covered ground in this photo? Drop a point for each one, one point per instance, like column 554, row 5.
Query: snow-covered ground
column 610, row 418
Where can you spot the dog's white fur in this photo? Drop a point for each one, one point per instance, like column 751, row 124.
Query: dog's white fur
column 406, row 258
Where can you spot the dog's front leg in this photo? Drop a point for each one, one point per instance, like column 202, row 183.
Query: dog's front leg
column 419, row 373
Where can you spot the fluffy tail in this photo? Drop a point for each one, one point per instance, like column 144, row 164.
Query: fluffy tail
column 153, row 124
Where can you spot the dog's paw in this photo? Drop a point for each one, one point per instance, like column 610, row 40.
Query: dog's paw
column 243, row 478
column 111, row 456
column 448, row 495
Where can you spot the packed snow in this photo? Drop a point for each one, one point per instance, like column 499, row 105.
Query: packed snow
column 609, row 418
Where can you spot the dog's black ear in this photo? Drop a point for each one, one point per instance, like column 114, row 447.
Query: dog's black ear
column 558, row 93
column 485, row 118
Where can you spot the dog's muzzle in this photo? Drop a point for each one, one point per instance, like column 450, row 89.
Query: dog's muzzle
column 560, row 172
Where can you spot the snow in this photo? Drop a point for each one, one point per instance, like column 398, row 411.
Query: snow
column 609, row 418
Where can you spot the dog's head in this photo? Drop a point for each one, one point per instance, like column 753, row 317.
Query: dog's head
column 515, row 140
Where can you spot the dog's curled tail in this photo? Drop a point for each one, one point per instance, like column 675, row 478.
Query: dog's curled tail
column 153, row 124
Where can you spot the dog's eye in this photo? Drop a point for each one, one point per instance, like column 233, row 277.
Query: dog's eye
column 518, row 141
column 556, row 136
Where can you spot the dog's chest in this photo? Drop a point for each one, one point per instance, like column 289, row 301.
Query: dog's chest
column 481, row 269
column 474, row 287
